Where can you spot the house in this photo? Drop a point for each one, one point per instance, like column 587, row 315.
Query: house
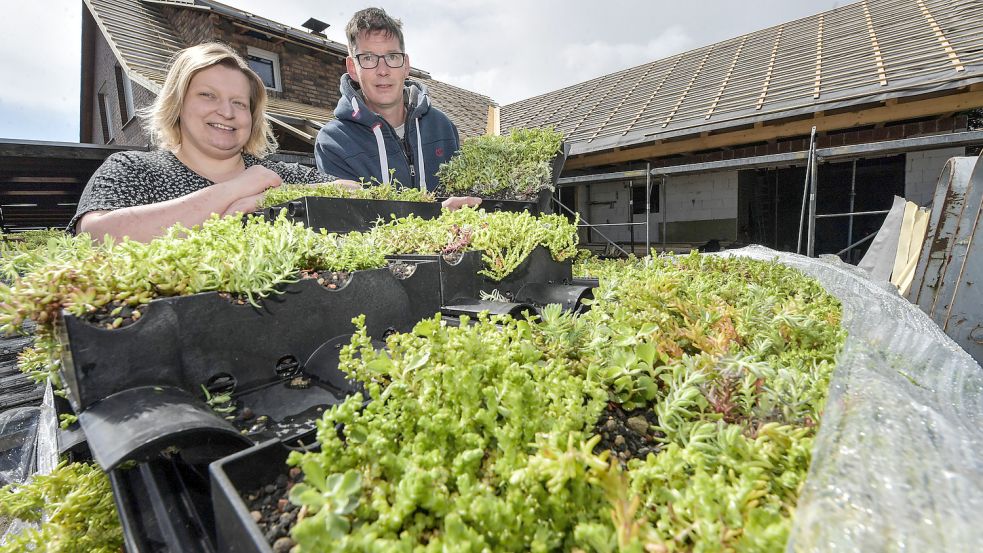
column 127, row 46
column 126, row 49
column 722, row 131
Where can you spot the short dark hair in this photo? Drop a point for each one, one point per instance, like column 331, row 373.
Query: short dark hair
column 371, row 20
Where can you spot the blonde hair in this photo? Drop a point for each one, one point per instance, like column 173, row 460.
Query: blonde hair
column 162, row 118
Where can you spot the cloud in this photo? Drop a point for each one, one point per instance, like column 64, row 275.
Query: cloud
column 589, row 60
column 506, row 49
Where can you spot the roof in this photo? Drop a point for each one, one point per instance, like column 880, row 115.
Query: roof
column 862, row 52
column 144, row 41
column 41, row 182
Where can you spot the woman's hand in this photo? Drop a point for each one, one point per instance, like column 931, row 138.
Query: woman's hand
column 247, row 204
column 255, row 180
column 347, row 184
column 248, row 188
column 457, row 202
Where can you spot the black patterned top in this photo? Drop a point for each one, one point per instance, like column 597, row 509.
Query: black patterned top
column 128, row 179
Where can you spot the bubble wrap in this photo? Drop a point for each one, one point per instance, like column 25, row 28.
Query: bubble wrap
column 898, row 460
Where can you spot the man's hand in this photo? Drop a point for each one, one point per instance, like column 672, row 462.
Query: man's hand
column 457, row 202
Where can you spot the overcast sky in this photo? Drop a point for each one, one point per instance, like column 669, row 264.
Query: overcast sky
column 506, row 49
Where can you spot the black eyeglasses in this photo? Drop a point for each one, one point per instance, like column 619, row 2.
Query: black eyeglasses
column 371, row 61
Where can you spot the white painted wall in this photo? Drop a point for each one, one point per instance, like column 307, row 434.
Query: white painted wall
column 922, row 170
column 702, row 197
column 708, row 196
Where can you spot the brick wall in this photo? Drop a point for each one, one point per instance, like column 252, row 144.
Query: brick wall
column 129, row 132
column 922, row 170
column 193, row 26
column 309, row 76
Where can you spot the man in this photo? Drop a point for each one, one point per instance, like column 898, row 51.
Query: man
column 385, row 126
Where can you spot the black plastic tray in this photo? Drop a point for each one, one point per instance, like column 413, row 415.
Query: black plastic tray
column 538, row 267
column 137, row 389
column 186, row 341
column 348, row 215
column 164, row 506
column 243, row 471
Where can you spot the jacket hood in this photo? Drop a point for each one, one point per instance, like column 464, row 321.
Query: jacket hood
column 352, row 106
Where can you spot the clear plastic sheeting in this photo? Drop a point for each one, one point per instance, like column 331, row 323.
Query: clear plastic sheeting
column 31, row 434
column 898, row 460
column 18, row 436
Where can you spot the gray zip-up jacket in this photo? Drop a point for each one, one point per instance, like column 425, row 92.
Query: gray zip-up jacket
column 360, row 143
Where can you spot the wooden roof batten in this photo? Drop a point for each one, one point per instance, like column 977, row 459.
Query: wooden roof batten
column 651, row 97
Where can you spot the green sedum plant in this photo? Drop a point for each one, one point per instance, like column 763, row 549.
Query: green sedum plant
column 505, row 238
column 75, row 506
column 223, row 254
column 369, row 191
column 84, row 276
column 516, row 166
column 484, row 436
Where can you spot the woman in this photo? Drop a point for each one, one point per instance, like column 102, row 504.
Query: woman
column 212, row 137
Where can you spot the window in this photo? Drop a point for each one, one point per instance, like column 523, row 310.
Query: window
column 638, row 199
column 267, row 66
column 107, row 128
column 124, row 92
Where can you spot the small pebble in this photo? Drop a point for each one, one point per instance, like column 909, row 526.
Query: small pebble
column 610, row 426
column 294, row 473
column 638, row 424
column 283, row 545
column 619, row 441
column 257, row 516
column 269, row 488
column 281, row 505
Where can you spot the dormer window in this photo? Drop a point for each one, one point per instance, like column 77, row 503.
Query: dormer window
column 267, row 66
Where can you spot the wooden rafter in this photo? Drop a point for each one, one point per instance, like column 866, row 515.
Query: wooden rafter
column 819, row 59
column 941, row 37
column 730, row 70
column 689, row 86
column 771, row 68
column 881, row 75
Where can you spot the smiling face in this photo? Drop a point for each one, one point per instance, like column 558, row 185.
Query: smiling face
column 215, row 119
column 381, row 85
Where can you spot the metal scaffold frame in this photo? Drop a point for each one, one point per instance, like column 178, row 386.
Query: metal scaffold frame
column 812, row 158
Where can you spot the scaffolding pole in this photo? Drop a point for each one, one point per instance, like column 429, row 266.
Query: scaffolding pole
column 648, row 207
column 813, row 186
column 805, row 188
column 811, row 157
